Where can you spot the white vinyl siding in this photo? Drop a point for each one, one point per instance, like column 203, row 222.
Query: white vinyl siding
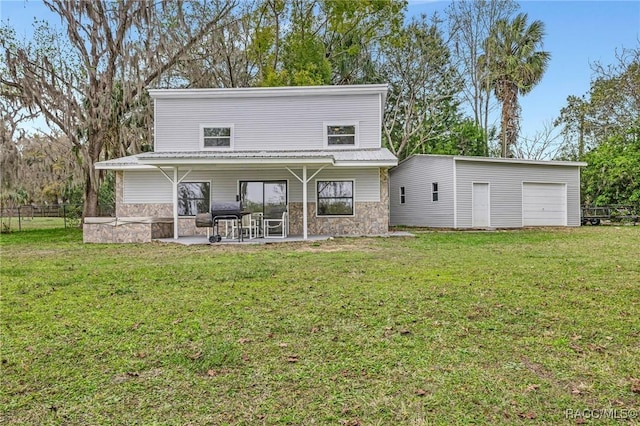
column 152, row 187
column 366, row 182
column 276, row 123
column 416, row 175
column 147, row 187
column 505, row 188
column 506, row 181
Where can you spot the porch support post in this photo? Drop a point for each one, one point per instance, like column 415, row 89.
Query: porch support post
column 175, row 203
column 174, row 185
column 304, row 202
column 305, row 180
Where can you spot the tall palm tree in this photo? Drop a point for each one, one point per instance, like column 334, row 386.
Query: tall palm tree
column 515, row 65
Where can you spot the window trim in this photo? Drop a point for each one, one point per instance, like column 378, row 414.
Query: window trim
column 263, row 181
column 356, row 138
column 435, row 192
column 403, row 195
column 197, row 181
column 217, row 126
column 353, row 197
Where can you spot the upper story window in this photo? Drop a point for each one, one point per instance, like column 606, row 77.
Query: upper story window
column 216, row 136
column 434, row 191
column 403, row 198
column 339, row 135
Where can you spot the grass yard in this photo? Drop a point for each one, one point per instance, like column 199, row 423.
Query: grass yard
column 520, row 327
column 31, row 223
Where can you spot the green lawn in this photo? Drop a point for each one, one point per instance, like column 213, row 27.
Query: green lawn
column 446, row 328
column 14, row 224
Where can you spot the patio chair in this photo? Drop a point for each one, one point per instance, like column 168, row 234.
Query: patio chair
column 275, row 227
column 256, row 224
column 250, row 227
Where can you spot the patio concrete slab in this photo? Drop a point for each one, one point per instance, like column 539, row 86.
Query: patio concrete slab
column 203, row 240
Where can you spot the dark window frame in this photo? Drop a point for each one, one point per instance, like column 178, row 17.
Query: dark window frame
column 183, row 202
column 435, row 191
column 320, row 210
column 403, row 195
column 263, row 182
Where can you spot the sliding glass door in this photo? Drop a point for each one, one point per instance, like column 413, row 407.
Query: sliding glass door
column 266, row 197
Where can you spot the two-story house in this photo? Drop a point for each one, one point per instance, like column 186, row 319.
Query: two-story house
column 313, row 152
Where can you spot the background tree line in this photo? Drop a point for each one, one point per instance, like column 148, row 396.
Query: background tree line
column 87, row 77
column 602, row 127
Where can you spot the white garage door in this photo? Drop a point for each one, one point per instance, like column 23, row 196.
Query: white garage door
column 544, row 204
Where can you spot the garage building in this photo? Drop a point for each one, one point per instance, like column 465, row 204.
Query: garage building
column 479, row 192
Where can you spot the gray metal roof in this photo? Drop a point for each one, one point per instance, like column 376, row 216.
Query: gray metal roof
column 499, row 160
column 253, row 92
column 344, row 157
column 129, row 162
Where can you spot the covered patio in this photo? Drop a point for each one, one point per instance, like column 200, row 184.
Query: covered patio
column 149, row 186
column 192, row 240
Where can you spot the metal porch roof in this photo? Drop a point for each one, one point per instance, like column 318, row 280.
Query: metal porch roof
column 380, row 157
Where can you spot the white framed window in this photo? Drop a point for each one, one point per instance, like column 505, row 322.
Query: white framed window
column 434, row 191
column 193, row 198
column 335, row 197
column 403, row 197
column 216, row 136
column 341, row 135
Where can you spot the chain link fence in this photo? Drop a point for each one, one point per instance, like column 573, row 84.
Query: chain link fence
column 44, row 216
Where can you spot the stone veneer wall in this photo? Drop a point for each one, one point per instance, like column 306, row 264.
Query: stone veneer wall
column 371, row 218
column 114, row 232
column 186, row 226
column 118, row 231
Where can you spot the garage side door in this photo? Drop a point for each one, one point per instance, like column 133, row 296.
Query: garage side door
column 544, row 204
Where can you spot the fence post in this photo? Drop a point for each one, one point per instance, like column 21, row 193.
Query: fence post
column 64, row 215
column 19, row 220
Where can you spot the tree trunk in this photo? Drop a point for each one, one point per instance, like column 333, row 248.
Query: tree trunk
column 509, row 119
column 90, row 208
column 581, row 138
column 503, row 128
column 91, row 153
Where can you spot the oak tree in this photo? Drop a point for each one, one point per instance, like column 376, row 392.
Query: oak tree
column 89, row 77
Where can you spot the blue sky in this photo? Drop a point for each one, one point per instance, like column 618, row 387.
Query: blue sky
column 577, row 34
